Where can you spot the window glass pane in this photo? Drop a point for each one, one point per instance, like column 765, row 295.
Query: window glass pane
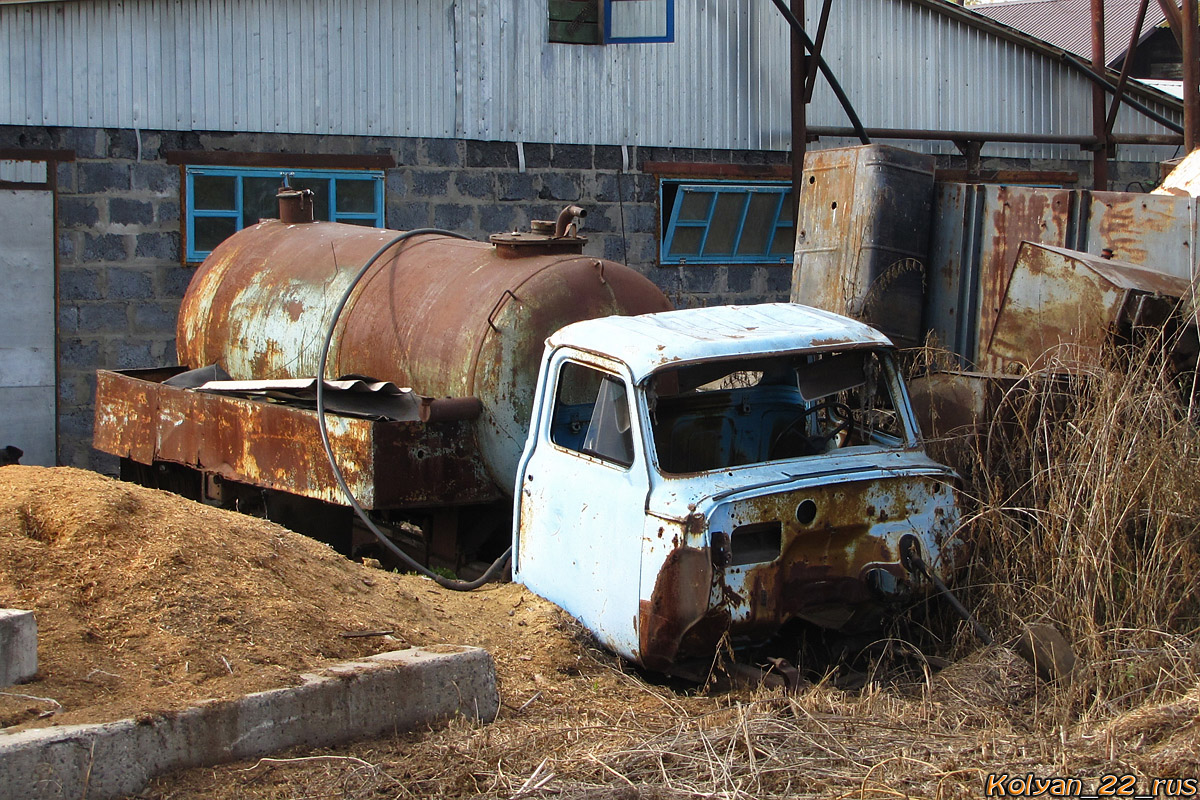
column 638, row 19
column 722, row 233
column 575, row 21
column 591, row 414
column 686, row 241
column 368, row 223
column 320, row 188
column 258, row 200
column 785, row 241
column 760, row 224
column 211, row 231
column 717, row 415
column 355, row 196
column 694, row 206
column 214, row 192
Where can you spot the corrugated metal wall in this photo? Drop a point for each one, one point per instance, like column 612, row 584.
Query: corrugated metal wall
column 365, row 67
column 482, row 69
column 970, row 81
column 722, row 83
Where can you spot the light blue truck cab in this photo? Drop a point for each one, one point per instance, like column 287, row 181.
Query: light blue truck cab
column 723, row 470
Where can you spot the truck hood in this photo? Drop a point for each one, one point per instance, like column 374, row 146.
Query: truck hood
column 675, row 497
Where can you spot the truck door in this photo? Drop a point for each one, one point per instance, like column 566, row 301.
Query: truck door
column 582, row 498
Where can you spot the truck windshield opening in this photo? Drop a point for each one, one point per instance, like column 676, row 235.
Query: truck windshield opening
column 732, row 413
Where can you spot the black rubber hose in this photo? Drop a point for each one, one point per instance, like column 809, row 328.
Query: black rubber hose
column 448, row 583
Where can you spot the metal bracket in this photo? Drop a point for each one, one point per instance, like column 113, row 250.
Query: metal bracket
column 496, row 308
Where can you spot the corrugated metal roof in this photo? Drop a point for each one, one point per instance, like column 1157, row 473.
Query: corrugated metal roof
column 1068, row 23
column 648, row 342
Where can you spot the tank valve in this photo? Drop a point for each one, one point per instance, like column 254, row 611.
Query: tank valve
column 545, row 236
column 295, row 205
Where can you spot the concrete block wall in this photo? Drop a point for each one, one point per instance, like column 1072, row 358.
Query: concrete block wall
column 119, row 227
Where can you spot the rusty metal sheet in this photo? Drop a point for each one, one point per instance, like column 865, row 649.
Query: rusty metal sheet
column 387, row 464
column 978, row 231
column 1184, row 180
column 1153, row 231
column 862, row 239
column 1061, row 306
column 955, row 405
column 126, row 423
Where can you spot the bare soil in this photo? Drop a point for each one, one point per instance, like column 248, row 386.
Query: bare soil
column 147, row 602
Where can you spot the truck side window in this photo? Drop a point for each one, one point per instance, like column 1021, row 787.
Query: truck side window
column 591, row 414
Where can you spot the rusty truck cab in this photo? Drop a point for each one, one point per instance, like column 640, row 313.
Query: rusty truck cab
column 725, row 470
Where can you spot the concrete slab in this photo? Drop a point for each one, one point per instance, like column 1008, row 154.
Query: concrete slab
column 388, row 692
column 18, row 646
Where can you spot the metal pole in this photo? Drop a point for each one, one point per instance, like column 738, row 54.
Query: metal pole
column 799, row 113
column 1099, row 64
column 1174, row 19
column 838, row 92
column 811, row 81
column 1155, row 139
column 1125, row 67
column 1191, row 68
column 1086, row 71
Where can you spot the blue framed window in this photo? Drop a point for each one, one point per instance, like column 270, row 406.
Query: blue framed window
column 639, row 21
column 223, row 200
column 611, row 21
column 727, row 223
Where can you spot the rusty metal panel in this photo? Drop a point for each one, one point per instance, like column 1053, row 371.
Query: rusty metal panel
column 957, row 405
column 387, row 464
column 862, row 239
column 1154, row 231
column 978, row 231
column 820, row 570
column 1061, row 306
column 127, row 413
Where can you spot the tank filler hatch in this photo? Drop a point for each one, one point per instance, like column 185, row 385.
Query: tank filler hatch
column 545, row 237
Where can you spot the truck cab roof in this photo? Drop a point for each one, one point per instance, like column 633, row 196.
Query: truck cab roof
column 650, row 342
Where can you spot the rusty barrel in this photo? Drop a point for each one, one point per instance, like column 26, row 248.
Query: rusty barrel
column 447, row 317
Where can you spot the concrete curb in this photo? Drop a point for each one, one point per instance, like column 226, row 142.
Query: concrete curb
column 391, row 691
column 18, row 646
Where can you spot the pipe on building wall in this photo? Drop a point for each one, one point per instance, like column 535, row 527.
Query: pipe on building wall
column 1155, row 139
column 799, row 79
column 1126, row 65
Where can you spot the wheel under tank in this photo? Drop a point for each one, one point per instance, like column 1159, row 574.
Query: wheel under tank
column 447, row 317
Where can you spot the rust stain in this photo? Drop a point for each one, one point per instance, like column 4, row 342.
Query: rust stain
column 822, row 563
column 678, row 603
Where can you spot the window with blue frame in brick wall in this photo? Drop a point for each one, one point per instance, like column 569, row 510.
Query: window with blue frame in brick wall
column 223, row 200
column 719, row 222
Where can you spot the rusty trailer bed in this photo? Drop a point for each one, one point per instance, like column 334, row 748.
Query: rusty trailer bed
column 388, row 464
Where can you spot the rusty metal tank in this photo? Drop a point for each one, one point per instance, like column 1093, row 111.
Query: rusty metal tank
column 447, row 317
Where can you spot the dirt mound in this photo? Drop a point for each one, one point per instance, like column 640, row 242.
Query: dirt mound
column 147, row 602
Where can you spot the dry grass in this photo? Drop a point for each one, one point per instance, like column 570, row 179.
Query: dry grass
column 1086, row 514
